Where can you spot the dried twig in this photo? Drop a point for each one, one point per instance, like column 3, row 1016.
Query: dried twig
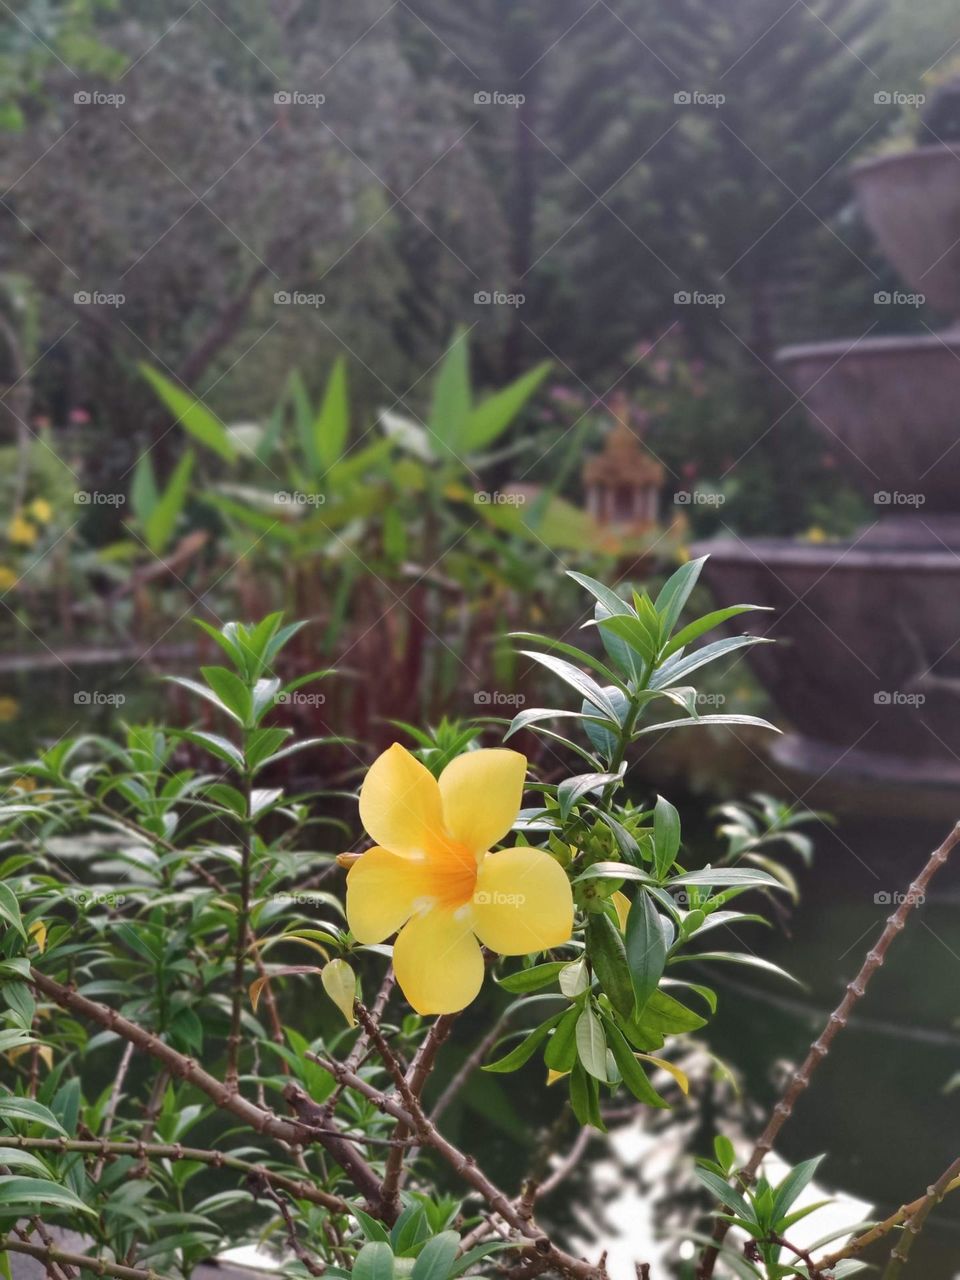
column 800, row 1080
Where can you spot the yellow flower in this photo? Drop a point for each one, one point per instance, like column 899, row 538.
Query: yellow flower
column 432, row 876
column 21, row 532
column 9, row 710
column 41, row 510
column 8, row 577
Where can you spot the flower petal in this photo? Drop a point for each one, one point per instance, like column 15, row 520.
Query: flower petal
column 381, row 891
column 400, row 804
column 438, row 962
column 523, row 902
column 481, row 793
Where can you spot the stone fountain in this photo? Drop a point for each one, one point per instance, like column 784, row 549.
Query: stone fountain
column 867, row 668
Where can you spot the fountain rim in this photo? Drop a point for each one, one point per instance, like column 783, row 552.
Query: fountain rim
column 920, row 155
column 882, row 345
column 846, row 556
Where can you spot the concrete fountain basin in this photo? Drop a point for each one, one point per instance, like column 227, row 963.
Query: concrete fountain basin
column 891, row 408
column 866, row 671
column 911, row 202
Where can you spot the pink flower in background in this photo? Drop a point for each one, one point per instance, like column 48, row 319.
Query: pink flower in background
column 79, row 417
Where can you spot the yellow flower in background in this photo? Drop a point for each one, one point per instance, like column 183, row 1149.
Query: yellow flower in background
column 9, row 710
column 8, row 577
column 432, row 876
column 21, row 532
column 41, row 510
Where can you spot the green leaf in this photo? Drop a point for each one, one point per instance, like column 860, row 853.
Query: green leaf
column 676, row 669
column 375, row 1261
column 793, row 1186
column 143, row 489
column 634, row 1076
column 676, row 591
column 607, row 953
column 576, row 679
column 489, row 419
column 541, row 975
column 573, row 789
column 436, row 1257
column 230, row 689
column 697, row 628
column 561, row 1051
column 738, row 957
column 527, row 1047
column 756, row 721
column 218, row 746
column 162, row 521
column 646, row 948
column 585, row 1098
column 332, row 426
column 16, row 1192
column 666, row 836
column 191, row 414
column 592, row 1045
column 10, row 910
column 450, row 407
column 26, row 1109
column 725, row 1194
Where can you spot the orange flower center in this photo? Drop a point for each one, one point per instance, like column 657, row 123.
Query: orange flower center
column 452, row 874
